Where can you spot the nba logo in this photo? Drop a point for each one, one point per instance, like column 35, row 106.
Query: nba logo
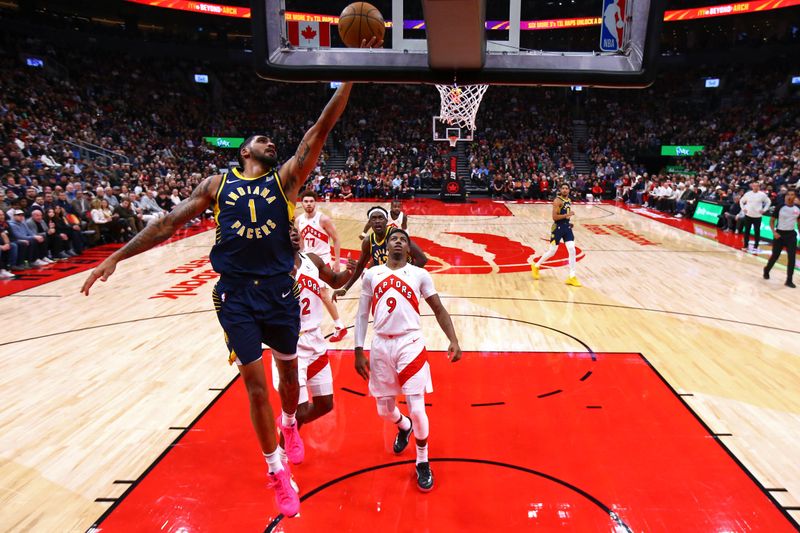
column 613, row 27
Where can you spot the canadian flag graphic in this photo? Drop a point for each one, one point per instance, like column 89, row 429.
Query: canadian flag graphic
column 309, row 34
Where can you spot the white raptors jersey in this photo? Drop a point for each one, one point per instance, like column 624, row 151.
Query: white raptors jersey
column 315, row 239
column 307, row 278
column 396, row 297
column 396, row 222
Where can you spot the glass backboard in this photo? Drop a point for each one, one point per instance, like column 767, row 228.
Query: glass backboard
column 611, row 43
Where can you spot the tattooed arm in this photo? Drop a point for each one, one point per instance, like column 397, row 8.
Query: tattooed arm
column 294, row 172
column 158, row 231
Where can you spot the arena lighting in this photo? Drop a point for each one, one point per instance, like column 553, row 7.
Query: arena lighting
column 795, row 80
column 712, row 83
column 34, row 62
column 201, row 78
column 678, row 15
column 336, row 84
column 576, row 87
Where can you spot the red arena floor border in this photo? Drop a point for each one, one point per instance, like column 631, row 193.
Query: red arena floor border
column 539, row 441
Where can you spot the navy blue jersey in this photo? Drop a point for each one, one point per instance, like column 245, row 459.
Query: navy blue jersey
column 561, row 230
column 566, row 207
column 377, row 250
column 253, row 221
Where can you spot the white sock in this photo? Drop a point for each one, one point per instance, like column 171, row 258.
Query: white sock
column 571, row 249
column 338, row 324
column 287, row 419
column 404, row 423
column 274, row 461
column 422, row 454
column 284, row 457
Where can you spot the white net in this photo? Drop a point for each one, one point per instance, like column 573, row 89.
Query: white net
column 460, row 104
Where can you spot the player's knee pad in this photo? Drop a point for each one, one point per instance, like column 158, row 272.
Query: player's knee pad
column 386, row 408
column 416, row 411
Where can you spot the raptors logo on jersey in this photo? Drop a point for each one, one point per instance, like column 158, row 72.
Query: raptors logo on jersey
column 395, row 297
column 310, row 300
column 315, row 238
column 396, row 222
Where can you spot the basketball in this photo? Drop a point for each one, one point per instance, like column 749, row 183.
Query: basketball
column 360, row 21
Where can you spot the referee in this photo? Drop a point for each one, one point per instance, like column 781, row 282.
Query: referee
column 785, row 235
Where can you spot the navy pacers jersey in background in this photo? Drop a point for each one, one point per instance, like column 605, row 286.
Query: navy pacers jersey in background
column 253, row 221
column 562, row 229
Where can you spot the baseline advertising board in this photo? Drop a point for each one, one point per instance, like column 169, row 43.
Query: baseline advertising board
column 710, row 212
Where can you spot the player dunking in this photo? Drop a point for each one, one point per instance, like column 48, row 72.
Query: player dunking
column 561, row 230
column 318, row 232
column 398, row 362
column 374, row 248
column 397, row 219
column 314, row 370
column 255, row 297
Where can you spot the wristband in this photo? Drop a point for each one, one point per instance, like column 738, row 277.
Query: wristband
column 363, row 235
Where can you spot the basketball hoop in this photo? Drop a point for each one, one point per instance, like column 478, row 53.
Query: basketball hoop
column 460, row 104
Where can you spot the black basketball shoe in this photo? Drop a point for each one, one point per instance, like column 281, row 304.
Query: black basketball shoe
column 424, row 477
column 401, row 440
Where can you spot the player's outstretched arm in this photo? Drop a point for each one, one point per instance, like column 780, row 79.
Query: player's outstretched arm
column 405, row 222
column 157, row 231
column 294, row 172
column 326, row 273
column 364, row 232
column 419, row 257
column 360, row 265
column 446, row 323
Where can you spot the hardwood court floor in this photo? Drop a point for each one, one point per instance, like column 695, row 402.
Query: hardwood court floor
column 95, row 389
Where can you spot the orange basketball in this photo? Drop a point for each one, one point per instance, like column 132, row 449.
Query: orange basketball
column 360, row 21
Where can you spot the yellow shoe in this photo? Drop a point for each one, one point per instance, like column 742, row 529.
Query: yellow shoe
column 534, row 271
column 572, row 280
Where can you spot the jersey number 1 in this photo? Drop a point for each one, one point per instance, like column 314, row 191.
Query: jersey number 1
column 252, row 204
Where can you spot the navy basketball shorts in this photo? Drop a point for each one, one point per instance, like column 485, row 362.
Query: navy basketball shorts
column 252, row 311
column 562, row 232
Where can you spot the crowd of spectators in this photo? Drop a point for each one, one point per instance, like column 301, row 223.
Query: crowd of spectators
column 145, row 121
column 749, row 131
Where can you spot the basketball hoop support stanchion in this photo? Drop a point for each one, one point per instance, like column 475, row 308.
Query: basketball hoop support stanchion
column 459, row 107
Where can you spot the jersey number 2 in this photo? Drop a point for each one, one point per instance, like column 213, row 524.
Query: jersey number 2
column 306, row 303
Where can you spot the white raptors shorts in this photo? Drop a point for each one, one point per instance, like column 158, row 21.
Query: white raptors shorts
column 313, row 367
column 399, row 365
